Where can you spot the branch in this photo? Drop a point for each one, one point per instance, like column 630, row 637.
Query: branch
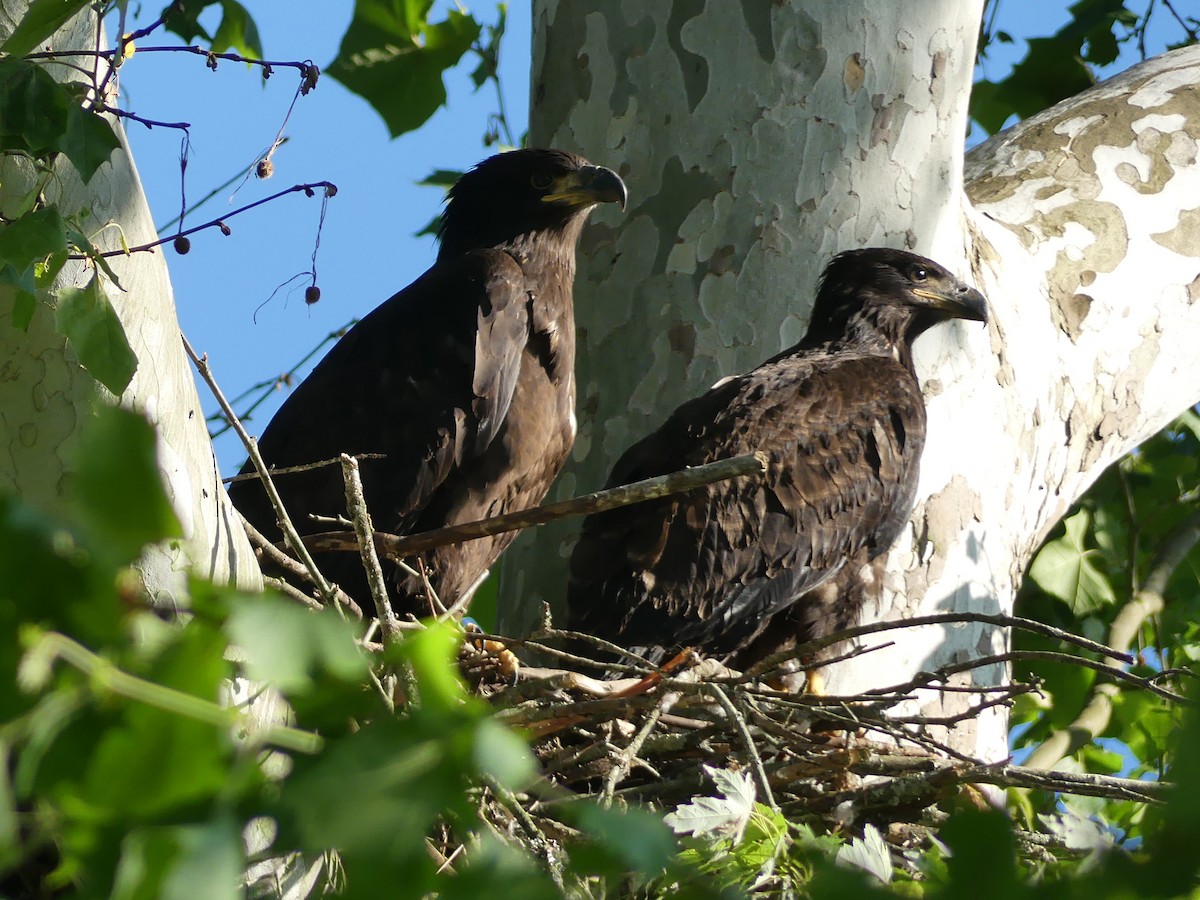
column 281, row 560
column 329, row 187
column 599, row 501
column 357, row 507
column 291, row 536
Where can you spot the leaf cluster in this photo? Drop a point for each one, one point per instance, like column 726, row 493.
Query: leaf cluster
column 127, row 764
column 1061, row 65
column 1104, row 562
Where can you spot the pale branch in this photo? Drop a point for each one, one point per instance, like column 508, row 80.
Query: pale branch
column 361, row 517
column 292, row 537
column 329, row 188
column 1148, row 601
column 599, row 501
column 922, row 780
column 1084, row 783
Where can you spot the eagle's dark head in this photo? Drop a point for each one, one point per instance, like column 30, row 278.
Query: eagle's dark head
column 522, row 192
column 894, row 294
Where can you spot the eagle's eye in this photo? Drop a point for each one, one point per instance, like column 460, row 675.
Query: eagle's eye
column 541, row 181
column 919, row 274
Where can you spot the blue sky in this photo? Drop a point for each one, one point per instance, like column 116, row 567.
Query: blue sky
column 234, row 296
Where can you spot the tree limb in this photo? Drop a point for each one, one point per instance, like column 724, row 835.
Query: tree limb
column 598, row 501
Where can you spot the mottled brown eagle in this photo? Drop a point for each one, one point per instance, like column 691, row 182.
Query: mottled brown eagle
column 463, row 381
column 841, row 418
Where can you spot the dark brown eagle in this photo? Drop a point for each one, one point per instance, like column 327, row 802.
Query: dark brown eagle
column 842, row 421
column 463, row 381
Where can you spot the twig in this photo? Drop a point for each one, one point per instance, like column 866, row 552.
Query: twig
column 290, row 590
column 1052, row 656
column 756, row 763
column 1084, row 783
column 812, row 647
column 285, row 522
column 307, row 467
column 281, row 560
column 356, row 505
column 599, row 501
column 328, row 187
column 627, row 756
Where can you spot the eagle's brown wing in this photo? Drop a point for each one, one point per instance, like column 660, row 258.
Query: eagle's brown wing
column 843, row 432
column 426, row 380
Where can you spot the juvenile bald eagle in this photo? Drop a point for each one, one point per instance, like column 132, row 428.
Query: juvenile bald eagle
column 464, row 380
column 841, row 418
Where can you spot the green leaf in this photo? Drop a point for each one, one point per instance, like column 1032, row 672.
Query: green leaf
column 489, row 53
column 153, row 763
column 118, row 492
column 443, row 178
column 237, row 31
column 94, row 332
column 983, row 860
column 393, row 58
column 41, row 19
column 183, row 18
column 1055, row 67
column 501, row 754
column 636, row 837
column 432, row 652
column 374, row 792
column 209, row 864
column 1064, row 568
column 31, row 239
column 89, row 141
column 33, row 108
column 202, row 861
column 287, row 646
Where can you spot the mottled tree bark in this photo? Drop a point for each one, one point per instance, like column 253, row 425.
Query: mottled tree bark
column 759, row 139
column 46, row 396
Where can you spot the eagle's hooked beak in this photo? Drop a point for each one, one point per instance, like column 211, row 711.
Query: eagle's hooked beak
column 957, row 300
column 588, row 186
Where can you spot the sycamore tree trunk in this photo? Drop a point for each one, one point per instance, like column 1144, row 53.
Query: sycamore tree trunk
column 758, row 140
column 46, row 397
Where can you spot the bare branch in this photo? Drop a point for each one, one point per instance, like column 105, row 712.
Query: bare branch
column 291, row 536
column 357, row 507
column 599, row 501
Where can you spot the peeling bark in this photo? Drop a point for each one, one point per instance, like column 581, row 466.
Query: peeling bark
column 45, row 395
column 758, row 140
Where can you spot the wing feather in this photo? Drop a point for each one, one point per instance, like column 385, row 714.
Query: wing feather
column 841, row 431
